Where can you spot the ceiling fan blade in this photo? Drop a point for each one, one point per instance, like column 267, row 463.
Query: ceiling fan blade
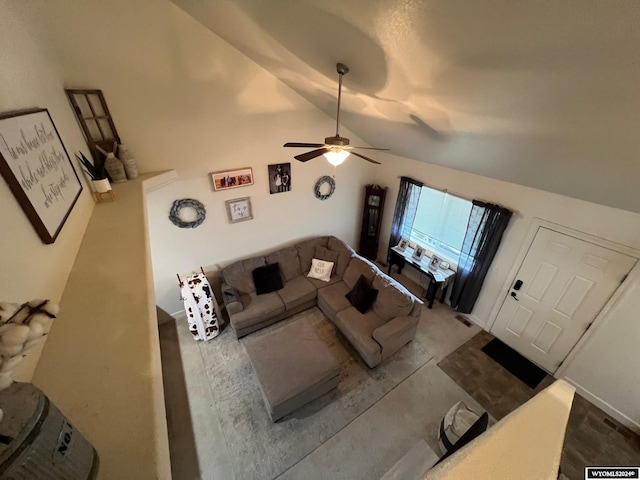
column 372, row 148
column 304, row 145
column 305, row 157
column 366, row 158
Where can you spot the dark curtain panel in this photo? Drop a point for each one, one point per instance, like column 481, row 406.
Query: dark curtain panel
column 405, row 212
column 487, row 223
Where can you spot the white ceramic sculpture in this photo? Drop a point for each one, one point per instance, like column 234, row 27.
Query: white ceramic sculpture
column 21, row 327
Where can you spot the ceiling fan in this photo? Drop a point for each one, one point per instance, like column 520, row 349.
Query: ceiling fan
column 335, row 149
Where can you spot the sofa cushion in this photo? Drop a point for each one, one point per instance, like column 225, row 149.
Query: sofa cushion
column 344, row 251
column 267, row 279
column 394, row 334
column 359, row 266
column 320, row 270
column 358, row 329
column 306, row 251
column 296, row 292
column 288, row 260
column 257, row 309
column 239, row 274
column 362, row 295
column 323, row 253
column 331, row 299
column 393, row 299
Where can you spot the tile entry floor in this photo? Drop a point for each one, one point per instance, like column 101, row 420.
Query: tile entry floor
column 592, row 436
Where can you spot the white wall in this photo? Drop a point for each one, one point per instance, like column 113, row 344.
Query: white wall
column 29, row 78
column 605, row 376
column 605, row 368
column 279, row 219
column 182, row 98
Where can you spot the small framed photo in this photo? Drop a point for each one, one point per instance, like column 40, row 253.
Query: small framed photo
column 232, row 179
column 418, row 253
column 435, row 262
column 239, row 209
column 279, row 177
column 403, row 244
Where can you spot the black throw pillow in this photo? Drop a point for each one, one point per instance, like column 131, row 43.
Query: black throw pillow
column 362, row 295
column 267, row 279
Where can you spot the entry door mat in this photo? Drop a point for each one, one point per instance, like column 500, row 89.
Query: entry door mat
column 261, row 449
column 515, row 363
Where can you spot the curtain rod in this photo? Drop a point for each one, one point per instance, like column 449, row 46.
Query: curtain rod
column 449, row 192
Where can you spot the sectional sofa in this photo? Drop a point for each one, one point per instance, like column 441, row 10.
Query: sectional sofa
column 386, row 327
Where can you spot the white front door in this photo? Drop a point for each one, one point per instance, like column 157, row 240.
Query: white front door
column 565, row 283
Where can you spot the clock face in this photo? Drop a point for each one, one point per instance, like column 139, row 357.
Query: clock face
column 374, row 200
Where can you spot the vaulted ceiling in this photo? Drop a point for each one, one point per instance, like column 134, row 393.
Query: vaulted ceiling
column 543, row 94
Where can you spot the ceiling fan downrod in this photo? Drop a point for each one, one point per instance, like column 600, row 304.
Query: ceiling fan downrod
column 334, row 148
column 342, row 70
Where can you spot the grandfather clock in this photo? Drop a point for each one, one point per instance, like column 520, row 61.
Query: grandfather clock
column 374, row 196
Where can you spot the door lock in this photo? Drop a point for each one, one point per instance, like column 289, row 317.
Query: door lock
column 517, row 285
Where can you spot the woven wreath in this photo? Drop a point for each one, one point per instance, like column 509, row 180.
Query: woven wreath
column 178, row 205
column 322, row 181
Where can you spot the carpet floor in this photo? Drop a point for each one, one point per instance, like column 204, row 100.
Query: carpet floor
column 370, row 445
column 260, row 448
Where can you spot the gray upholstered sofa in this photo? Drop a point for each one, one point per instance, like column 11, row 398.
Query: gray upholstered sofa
column 377, row 334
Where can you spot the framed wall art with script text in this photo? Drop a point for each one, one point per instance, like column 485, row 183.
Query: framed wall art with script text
column 38, row 170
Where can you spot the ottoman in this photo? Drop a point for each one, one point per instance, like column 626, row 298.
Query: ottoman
column 293, row 366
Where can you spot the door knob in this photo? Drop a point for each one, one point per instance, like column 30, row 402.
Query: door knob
column 513, row 294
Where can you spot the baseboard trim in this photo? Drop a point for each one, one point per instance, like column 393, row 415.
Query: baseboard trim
column 478, row 321
column 605, row 407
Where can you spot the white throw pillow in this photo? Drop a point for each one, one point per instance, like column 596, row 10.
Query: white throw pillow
column 320, row 269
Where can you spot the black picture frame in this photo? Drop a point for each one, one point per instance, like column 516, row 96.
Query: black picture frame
column 35, row 164
column 279, row 177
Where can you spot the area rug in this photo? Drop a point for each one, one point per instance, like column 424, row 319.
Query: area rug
column 523, row 369
column 262, row 449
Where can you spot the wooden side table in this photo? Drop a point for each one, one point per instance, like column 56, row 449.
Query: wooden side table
column 437, row 279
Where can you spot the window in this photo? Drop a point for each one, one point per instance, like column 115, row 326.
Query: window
column 94, row 118
column 440, row 222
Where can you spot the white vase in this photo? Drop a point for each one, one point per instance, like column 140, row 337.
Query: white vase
column 101, row 186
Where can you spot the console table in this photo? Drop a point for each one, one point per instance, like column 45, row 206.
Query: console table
column 437, row 278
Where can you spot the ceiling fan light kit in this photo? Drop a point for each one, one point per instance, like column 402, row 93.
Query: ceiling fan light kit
column 335, row 149
column 336, row 156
